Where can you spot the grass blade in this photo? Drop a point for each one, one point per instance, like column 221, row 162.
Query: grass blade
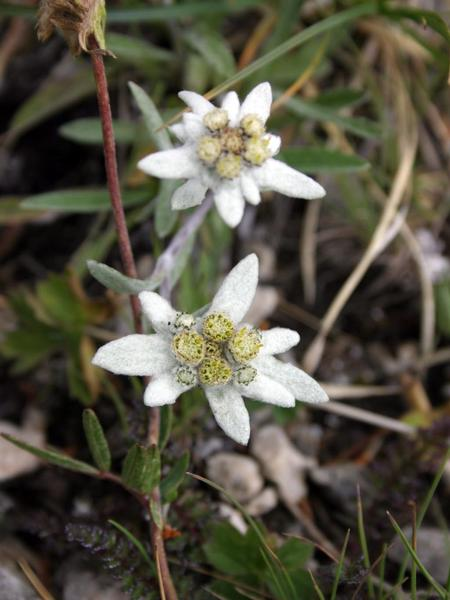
column 434, row 584
column 363, row 543
column 424, row 507
column 316, row 586
column 340, row 566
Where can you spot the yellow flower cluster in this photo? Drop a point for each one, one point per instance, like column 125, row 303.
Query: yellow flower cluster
column 227, row 149
column 216, row 354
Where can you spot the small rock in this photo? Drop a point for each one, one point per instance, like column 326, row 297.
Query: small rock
column 340, row 481
column 432, row 550
column 13, row 460
column 89, row 586
column 282, row 462
column 239, row 475
column 14, row 587
column 263, row 502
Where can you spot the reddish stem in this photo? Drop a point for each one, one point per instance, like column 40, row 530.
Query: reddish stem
column 112, row 176
column 129, row 266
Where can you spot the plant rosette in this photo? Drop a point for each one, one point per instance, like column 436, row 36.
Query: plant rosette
column 228, row 151
column 227, row 358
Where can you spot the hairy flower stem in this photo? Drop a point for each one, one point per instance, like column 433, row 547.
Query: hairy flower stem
column 126, row 253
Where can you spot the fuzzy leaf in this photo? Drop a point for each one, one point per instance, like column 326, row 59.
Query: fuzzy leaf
column 141, row 468
column 152, row 118
column 52, row 456
column 81, row 200
column 89, row 131
column 120, row 283
column 171, row 483
column 96, row 440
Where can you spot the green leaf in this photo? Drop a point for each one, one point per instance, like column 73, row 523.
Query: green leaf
column 426, row 18
column 81, row 200
column 53, row 96
column 294, row 554
column 152, row 118
column 321, row 160
column 141, row 468
column 442, row 299
column 358, row 125
column 60, row 304
column 189, row 10
column 336, row 21
column 89, row 131
column 233, row 553
column 171, row 483
column 212, row 47
column 120, row 283
column 165, row 426
column 137, row 51
column 339, row 98
column 165, row 216
column 96, row 440
column 52, row 456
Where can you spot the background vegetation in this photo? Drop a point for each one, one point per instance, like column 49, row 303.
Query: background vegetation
column 361, row 103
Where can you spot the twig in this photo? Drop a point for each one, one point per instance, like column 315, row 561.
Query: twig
column 376, row 245
column 127, row 257
column 365, row 416
column 307, row 248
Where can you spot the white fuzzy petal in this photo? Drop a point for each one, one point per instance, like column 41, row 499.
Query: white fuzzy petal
column 164, row 389
column 304, row 387
column 193, row 125
column 230, row 202
column 189, row 194
column 196, row 103
column 250, row 189
column 279, row 177
column 265, row 389
column 136, row 354
column 179, row 131
column 158, row 311
column 179, row 163
column 274, row 143
column 237, row 291
column 258, row 102
column 278, row 340
column 231, row 104
column 229, row 411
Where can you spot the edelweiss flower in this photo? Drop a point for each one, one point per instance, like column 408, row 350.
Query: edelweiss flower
column 228, row 151
column 225, row 357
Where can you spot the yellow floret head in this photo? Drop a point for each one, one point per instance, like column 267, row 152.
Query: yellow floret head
column 231, row 140
column 245, row 344
column 252, row 125
column 209, row 149
column 256, row 151
column 213, row 349
column 189, row 347
column 217, row 327
column 214, row 371
column 229, row 166
column 216, row 119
